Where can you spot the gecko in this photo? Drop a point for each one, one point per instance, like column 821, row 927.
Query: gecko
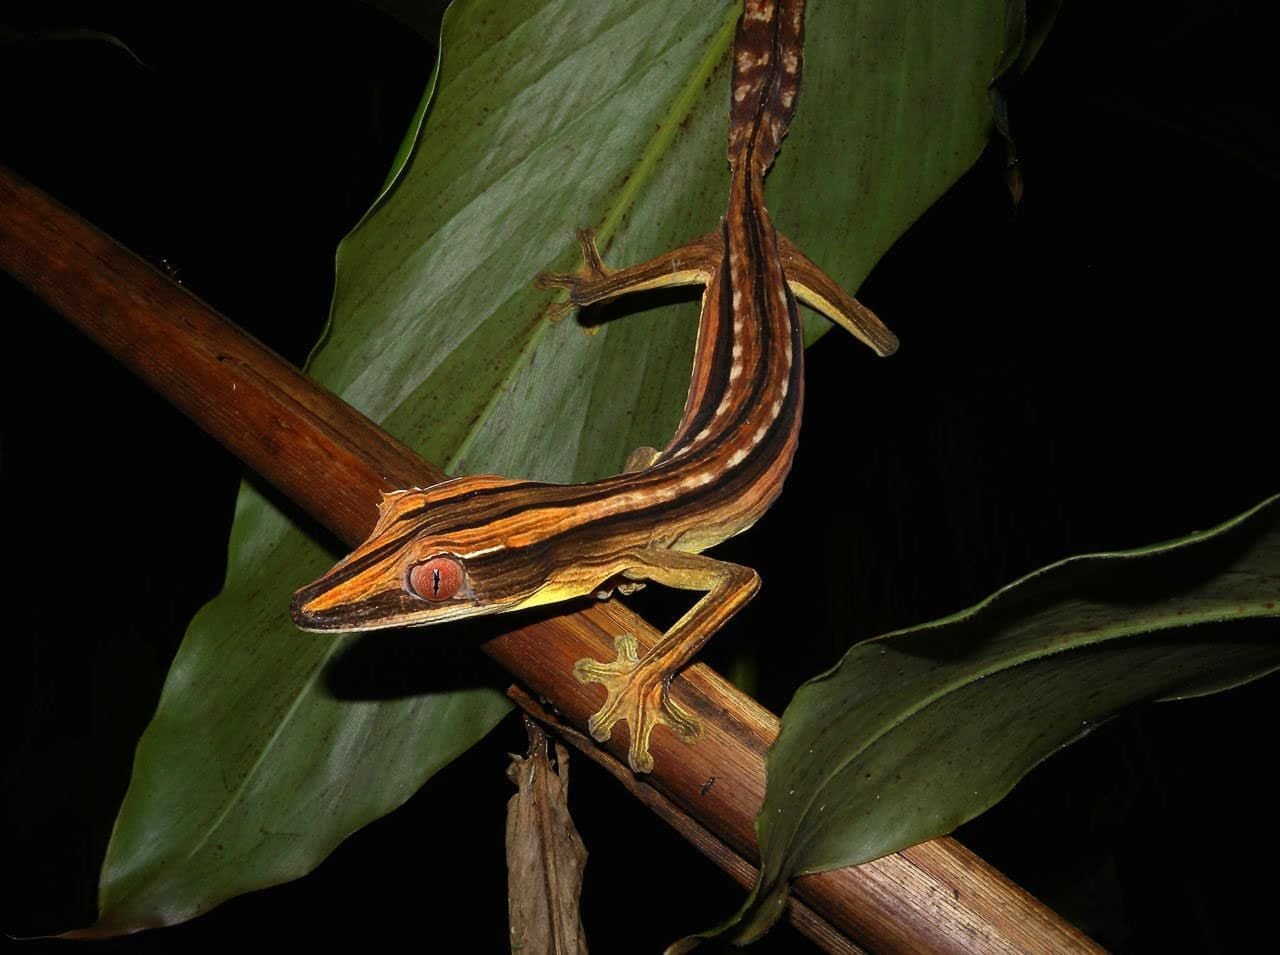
column 488, row 544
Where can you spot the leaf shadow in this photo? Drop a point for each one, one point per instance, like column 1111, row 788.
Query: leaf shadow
column 594, row 317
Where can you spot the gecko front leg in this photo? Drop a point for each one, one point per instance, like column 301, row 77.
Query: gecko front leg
column 638, row 687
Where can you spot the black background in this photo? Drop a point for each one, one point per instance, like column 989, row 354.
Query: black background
column 1094, row 371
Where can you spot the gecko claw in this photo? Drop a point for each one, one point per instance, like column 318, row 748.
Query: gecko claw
column 638, row 692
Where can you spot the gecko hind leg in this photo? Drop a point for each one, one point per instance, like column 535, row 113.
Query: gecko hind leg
column 691, row 264
column 824, row 294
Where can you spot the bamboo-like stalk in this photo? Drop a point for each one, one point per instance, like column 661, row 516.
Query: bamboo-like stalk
column 333, row 463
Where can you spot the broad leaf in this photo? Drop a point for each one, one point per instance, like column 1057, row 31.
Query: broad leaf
column 917, row 731
column 548, row 115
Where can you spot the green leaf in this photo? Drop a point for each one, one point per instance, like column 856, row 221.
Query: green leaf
column 547, row 116
column 917, row 731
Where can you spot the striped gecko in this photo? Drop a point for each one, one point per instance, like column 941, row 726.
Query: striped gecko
column 488, row 544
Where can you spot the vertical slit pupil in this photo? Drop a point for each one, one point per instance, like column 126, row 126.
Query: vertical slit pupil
column 437, row 579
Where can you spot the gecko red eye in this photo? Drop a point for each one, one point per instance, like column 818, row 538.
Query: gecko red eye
column 436, row 579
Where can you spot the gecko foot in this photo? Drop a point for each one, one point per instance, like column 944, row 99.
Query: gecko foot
column 592, row 272
column 637, row 693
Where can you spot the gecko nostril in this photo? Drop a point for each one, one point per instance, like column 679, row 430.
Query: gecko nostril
column 311, row 611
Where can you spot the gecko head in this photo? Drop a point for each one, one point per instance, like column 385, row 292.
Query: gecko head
column 431, row 557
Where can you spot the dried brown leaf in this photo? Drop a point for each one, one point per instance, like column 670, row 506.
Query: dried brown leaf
column 545, row 854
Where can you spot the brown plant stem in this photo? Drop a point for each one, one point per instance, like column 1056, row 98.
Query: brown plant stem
column 333, row 463
column 808, row 922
